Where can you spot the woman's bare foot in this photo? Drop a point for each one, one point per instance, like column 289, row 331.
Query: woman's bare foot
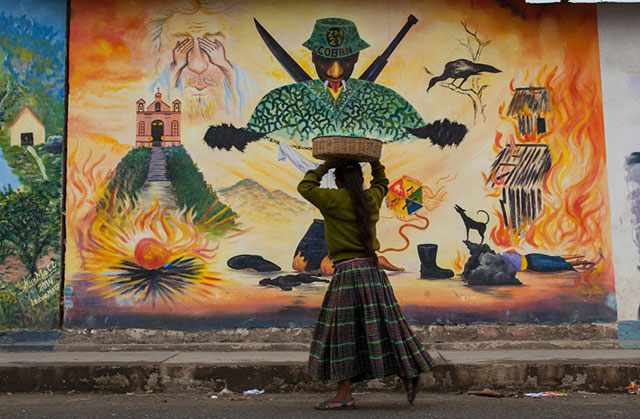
column 337, row 405
column 411, row 387
column 342, row 399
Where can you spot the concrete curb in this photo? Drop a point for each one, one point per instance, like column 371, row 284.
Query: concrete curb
column 597, row 371
column 294, row 377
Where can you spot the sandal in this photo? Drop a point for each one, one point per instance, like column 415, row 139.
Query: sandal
column 413, row 389
column 337, row 405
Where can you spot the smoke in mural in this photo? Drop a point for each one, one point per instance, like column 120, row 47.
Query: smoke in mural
column 186, row 148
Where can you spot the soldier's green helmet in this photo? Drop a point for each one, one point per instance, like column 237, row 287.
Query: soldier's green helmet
column 334, row 37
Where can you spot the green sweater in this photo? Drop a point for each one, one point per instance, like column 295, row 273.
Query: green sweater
column 340, row 227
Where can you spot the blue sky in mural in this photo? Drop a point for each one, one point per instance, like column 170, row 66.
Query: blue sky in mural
column 46, row 12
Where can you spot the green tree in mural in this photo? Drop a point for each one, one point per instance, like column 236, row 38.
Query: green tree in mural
column 5, row 246
column 29, row 227
column 32, row 58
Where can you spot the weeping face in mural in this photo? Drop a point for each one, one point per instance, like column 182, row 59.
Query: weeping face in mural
column 192, row 43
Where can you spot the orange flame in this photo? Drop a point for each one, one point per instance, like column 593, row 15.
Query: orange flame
column 459, row 261
column 116, row 237
column 496, row 141
column 128, row 224
column 87, row 179
column 326, row 266
column 590, row 280
column 299, row 264
column 106, row 232
column 575, row 213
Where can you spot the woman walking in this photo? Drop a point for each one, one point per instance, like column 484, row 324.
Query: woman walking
column 361, row 332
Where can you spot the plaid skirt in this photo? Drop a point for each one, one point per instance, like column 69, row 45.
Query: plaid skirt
column 361, row 332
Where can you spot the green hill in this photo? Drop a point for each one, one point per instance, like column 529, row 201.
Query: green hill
column 131, row 173
column 195, row 193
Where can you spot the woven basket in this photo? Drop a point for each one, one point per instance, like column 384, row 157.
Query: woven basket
column 354, row 148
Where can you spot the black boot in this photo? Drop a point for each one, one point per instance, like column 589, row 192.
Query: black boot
column 429, row 269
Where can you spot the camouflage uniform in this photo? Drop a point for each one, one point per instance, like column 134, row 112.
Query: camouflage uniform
column 306, row 110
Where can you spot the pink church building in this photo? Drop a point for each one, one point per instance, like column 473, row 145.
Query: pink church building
column 158, row 124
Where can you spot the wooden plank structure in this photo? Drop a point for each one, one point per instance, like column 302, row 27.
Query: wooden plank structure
column 520, row 170
column 530, row 105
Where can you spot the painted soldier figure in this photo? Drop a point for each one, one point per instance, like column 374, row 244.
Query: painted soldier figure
column 334, row 104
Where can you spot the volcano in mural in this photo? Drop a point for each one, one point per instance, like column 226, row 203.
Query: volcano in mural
column 249, row 197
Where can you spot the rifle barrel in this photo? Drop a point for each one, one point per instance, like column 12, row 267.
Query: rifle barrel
column 411, row 20
column 372, row 72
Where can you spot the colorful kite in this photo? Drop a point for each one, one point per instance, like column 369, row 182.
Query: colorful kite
column 405, row 196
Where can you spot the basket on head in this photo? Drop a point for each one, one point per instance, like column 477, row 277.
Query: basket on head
column 353, row 148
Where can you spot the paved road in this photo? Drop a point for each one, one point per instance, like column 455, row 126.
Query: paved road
column 196, row 405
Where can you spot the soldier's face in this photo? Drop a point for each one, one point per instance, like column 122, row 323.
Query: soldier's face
column 333, row 69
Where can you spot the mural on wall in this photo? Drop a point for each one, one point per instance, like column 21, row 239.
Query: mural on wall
column 32, row 52
column 185, row 151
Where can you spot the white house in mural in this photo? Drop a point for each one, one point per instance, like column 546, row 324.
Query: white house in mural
column 26, row 129
column 158, row 124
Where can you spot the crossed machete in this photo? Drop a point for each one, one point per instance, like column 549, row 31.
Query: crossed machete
column 298, row 74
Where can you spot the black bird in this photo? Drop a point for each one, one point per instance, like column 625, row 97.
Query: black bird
column 461, row 69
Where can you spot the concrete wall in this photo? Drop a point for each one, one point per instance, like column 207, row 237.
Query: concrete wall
column 620, row 63
column 559, row 83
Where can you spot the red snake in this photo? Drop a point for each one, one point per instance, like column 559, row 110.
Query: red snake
column 406, row 239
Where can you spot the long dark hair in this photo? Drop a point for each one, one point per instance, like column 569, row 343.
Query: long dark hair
column 349, row 175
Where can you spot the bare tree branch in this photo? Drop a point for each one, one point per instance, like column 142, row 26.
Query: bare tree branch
column 467, row 30
column 475, row 53
column 474, row 45
column 469, row 92
column 474, row 93
column 467, row 45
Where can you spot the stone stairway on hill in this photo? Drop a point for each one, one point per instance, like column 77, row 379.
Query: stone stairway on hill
column 157, row 187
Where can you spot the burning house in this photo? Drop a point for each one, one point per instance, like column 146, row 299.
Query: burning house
column 530, row 105
column 520, row 170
